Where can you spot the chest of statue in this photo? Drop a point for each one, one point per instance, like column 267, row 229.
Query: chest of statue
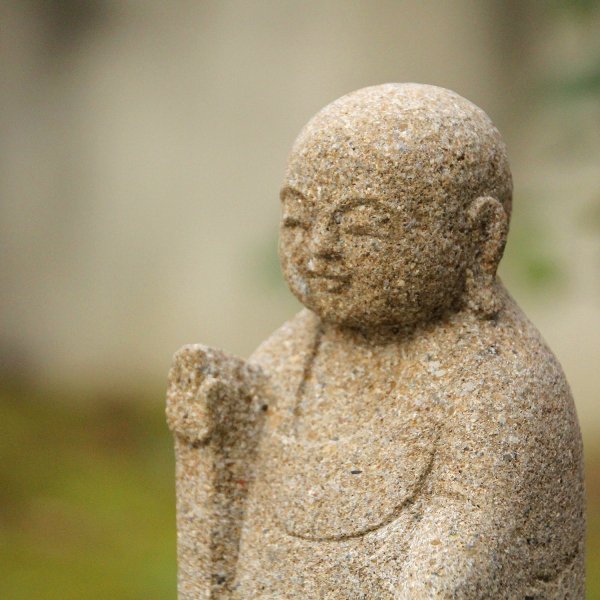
column 350, row 448
column 335, row 489
column 341, row 489
column 339, row 478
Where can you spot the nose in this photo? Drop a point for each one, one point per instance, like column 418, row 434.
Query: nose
column 324, row 241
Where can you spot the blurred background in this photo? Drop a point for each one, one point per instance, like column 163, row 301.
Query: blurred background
column 143, row 144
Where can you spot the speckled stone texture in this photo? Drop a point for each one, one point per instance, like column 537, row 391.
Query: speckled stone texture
column 408, row 434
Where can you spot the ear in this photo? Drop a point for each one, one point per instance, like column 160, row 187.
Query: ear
column 488, row 227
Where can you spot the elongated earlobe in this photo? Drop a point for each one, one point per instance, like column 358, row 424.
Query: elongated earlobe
column 488, row 230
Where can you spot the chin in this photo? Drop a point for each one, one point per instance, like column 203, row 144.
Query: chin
column 342, row 312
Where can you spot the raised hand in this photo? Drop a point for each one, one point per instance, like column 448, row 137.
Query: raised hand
column 213, row 396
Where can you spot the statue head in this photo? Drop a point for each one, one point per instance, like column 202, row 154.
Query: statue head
column 395, row 208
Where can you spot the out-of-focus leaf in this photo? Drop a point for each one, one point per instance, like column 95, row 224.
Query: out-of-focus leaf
column 576, row 8
column 530, row 260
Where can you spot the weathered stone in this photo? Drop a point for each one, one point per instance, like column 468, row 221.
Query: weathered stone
column 408, row 434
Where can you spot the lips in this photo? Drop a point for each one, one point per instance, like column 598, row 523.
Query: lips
column 328, row 282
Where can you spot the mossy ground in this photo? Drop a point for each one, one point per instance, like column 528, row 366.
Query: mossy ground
column 87, row 501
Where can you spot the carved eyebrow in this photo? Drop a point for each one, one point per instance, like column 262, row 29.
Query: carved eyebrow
column 344, row 204
column 288, row 189
column 348, row 203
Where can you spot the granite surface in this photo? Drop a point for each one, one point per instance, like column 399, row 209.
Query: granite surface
column 408, row 434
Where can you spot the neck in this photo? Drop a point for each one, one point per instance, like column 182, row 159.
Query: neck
column 402, row 334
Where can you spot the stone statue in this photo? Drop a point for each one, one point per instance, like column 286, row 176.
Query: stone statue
column 408, row 434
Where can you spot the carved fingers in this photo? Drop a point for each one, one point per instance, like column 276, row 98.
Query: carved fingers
column 212, row 395
column 187, row 415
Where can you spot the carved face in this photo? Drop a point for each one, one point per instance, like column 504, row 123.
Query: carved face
column 375, row 228
column 368, row 259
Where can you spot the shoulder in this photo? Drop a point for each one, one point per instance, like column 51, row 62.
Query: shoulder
column 519, row 371
column 286, row 344
column 506, row 363
column 512, row 401
column 514, row 430
column 283, row 356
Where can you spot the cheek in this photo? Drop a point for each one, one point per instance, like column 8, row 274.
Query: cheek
column 293, row 259
column 436, row 272
column 374, row 263
column 444, row 260
column 357, row 250
column 292, row 246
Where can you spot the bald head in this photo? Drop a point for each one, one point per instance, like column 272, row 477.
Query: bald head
column 417, row 139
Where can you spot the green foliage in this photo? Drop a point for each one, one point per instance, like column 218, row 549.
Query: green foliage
column 576, row 8
column 574, row 86
column 531, row 261
column 88, row 500
column 583, row 80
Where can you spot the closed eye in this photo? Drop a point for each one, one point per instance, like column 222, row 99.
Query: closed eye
column 371, row 219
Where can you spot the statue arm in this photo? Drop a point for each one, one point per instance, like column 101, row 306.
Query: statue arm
column 455, row 552
column 467, row 538
column 215, row 410
column 494, row 518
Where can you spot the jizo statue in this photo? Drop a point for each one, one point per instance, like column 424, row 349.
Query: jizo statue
column 408, row 434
